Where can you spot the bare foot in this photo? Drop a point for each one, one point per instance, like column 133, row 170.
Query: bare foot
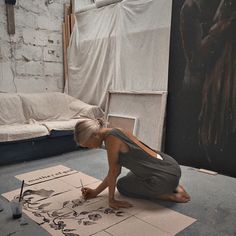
column 180, row 189
column 180, row 196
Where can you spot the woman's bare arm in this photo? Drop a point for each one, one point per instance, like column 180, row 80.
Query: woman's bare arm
column 113, row 145
column 113, row 148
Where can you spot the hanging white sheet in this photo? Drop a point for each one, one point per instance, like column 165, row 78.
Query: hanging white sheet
column 102, row 3
column 123, row 46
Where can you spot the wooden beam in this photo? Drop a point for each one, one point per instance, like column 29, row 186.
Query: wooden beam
column 10, row 19
column 65, row 56
column 67, row 12
column 68, row 31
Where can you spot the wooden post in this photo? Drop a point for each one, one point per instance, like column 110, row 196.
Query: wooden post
column 67, row 12
column 65, row 58
column 66, row 31
column 10, row 19
column 72, row 16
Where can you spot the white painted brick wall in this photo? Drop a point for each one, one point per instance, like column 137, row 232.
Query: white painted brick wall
column 28, row 53
column 48, row 23
column 31, row 60
column 39, row 83
column 3, row 32
column 53, row 69
column 2, row 16
column 32, row 6
column 35, row 37
column 29, row 68
column 6, row 85
column 24, row 18
column 52, row 53
column 5, row 51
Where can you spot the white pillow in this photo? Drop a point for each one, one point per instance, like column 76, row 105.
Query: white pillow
column 45, row 106
column 83, row 109
column 11, row 110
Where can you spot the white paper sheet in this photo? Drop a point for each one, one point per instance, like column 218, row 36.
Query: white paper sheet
column 60, row 208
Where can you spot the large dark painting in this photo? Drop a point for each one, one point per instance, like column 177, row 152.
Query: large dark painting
column 201, row 112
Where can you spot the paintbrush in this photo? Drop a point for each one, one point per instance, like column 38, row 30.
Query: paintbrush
column 82, row 187
column 81, row 183
column 21, row 190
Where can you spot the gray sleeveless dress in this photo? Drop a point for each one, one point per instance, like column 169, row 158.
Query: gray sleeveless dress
column 148, row 177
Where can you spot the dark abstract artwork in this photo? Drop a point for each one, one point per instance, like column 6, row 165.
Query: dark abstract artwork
column 201, row 124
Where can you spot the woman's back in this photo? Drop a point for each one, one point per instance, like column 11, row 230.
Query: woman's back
column 141, row 159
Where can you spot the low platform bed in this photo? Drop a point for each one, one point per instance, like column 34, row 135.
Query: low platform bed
column 36, row 148
column 40, row 125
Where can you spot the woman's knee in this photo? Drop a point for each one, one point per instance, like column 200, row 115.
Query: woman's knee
column 125, row 187
column 121, row 185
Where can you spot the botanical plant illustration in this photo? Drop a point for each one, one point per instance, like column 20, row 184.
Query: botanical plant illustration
column 57, row 218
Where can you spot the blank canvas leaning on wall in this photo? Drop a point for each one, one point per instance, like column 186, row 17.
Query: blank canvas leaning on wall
column 147, row 107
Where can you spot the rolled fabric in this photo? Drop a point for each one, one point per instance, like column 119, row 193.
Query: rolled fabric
column 86, row 8
column 101, row 3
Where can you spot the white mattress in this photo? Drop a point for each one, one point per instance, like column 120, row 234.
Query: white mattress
column 22, row 132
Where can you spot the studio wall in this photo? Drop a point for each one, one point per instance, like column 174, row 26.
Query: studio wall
column 31, row 59
column 201, row 115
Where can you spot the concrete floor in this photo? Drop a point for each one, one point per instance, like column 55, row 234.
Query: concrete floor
column 213, row 201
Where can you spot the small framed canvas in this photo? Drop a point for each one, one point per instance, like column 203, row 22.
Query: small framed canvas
column 120, row 121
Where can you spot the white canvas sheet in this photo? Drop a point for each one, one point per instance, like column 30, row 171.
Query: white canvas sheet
column 123, row 46
column 102, row 3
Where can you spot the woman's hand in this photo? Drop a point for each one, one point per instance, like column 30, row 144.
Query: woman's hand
column 89, row 193
column 119, row 204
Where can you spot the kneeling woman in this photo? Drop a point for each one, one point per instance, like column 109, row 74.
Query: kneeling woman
column 153, row 175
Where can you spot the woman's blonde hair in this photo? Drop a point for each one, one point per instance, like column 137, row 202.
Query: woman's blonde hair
column 85, row 128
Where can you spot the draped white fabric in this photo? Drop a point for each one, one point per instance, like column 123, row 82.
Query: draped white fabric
column 123, row 46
